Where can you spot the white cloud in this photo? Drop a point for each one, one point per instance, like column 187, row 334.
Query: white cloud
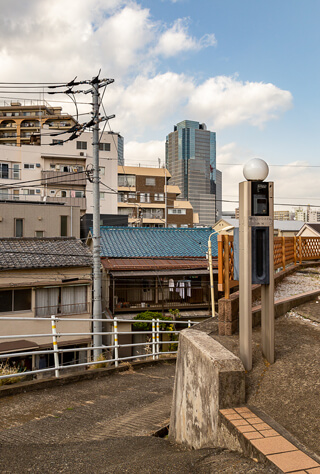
column 225, row 101
column 294, row 183
column 151, row 103
column 177, row 39
column 145, row 154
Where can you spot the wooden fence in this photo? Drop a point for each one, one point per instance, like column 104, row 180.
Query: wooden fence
column 287, row 251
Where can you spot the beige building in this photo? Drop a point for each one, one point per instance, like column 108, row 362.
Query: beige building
column 39, row 219
column 281, row 215
column 148, row 201
column 309, row 230
column 47, row 173
column 44, row 277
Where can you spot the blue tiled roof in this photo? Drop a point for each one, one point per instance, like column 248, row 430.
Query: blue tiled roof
column 127, row 242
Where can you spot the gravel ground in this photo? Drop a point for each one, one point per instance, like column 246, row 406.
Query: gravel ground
column 295, row 284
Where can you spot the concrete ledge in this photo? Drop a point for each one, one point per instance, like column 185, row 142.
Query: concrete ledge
column 30, row 386
column 208, row 378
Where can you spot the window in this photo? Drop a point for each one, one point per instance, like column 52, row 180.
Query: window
column 102, row 195
column 29, row 166
column 63, row 194
column 16, row 171
column 104, row 146
column 177, row 211
column 150, row 181
column 144, row 197
column 126, row 180
column 64, row 226
column 39, row 233
column 4, row 194
column 15, row 300
column 79, row 194
column 125, row 211
column 81, row 145
column 18, row 227
column 61, row 300
column 159, row 197
column 28, row 192
column 4, row 170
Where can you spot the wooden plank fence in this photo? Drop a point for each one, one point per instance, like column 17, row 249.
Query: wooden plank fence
column 287, row 251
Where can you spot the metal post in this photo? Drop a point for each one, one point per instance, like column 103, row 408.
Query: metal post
column 55, row 345
column 189, row 323
column 153, row 339
column 245, row 291
column 97, row 325
column 116, row 352
column 158, row 338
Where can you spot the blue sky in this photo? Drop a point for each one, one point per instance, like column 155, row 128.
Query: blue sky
column 249, row 69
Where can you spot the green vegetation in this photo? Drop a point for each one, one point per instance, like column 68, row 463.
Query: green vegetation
column 148, row 316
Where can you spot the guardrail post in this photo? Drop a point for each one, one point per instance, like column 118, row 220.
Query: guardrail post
column 116, row 351
column 189, row 323
column 153, row 339
column 55, row 345
column 158, row 338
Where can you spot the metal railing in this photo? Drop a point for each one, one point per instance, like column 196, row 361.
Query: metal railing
column 152, row 345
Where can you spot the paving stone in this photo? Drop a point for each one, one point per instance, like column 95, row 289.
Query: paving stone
column 292, row 461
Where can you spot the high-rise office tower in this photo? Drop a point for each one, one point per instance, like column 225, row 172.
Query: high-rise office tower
column 191, row 161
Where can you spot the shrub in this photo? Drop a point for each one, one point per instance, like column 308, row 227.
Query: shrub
column 6, row 369
column 149, row 315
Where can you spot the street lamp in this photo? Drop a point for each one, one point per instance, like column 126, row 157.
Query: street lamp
column 210, row 267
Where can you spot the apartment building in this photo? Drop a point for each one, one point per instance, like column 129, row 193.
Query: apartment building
column 146, row 198
column 21, row 123
column 60, row 173
column 281, row 215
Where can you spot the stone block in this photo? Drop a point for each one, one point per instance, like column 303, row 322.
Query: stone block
column 208, row 377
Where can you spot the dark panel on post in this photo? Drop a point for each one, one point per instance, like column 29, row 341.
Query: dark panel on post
column 260, row 256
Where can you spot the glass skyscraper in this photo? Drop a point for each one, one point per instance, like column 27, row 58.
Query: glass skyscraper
column 191, row 161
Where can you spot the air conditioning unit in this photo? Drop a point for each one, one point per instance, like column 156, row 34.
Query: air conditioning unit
column 83, row 153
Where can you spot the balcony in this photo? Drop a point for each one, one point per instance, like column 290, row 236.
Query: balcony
column 63, row 179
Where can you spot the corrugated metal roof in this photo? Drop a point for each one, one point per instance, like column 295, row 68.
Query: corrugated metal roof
column 128, row 242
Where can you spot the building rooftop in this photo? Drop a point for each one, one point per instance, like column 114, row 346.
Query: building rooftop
column 131, row 242
column 24, row 253
column 143, row 171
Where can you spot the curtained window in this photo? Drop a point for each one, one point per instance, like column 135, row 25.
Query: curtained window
column 64, row 300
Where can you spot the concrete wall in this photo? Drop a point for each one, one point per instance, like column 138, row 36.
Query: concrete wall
column 208, row 378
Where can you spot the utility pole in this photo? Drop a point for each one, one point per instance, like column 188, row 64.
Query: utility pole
column 97, row 309
column 97, row 306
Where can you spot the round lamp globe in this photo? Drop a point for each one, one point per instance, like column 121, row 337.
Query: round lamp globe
column 255, row 170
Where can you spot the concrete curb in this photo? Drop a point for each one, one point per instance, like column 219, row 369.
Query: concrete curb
column 30, row 386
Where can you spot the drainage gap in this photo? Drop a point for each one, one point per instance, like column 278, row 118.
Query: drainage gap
column 162, row 432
